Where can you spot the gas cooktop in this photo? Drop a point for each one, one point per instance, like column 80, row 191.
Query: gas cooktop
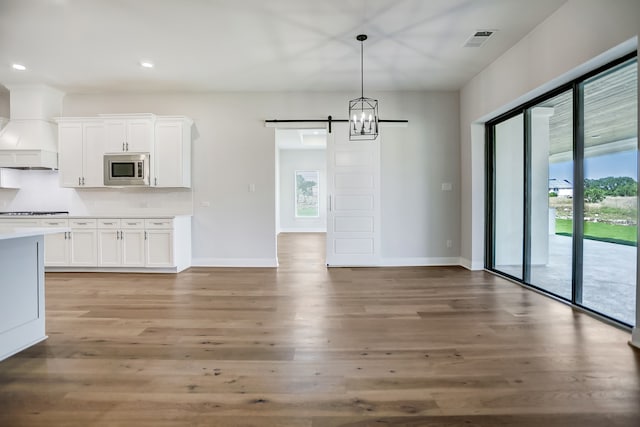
column 33, row 213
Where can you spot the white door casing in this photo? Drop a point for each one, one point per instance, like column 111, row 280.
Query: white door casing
column 353, row 183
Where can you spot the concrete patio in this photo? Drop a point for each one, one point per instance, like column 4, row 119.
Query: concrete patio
column 609, row 283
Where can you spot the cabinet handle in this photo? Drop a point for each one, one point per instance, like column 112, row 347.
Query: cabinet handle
column 127, row 146
column 108, row 223
column 155, row 181
column 83, row 180
column 145, row 235
column 79, row 181
column 329, row 202
column 123, row 146
column 69, row 235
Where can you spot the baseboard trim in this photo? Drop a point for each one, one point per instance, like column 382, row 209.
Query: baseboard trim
column 303, row 230
column 234, row 262
column 470, row 265
column 419, row 261
column 635, row 337
column 170, row 270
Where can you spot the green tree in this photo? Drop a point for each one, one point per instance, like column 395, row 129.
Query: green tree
column 594, row 195
column 613, row 186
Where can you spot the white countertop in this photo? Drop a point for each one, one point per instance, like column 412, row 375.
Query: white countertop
column 17, row 232
column 106, row 216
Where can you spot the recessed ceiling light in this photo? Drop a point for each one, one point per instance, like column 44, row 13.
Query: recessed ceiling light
column 146, row 64
column 19, row 67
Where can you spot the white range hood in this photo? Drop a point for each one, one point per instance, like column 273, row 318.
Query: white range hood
column 30, row 139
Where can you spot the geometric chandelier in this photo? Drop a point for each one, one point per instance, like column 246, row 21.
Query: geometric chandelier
column 363, row 112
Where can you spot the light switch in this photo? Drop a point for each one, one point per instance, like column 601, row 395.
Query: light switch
column 252, row 188
column 446, row 186
column 205, row 204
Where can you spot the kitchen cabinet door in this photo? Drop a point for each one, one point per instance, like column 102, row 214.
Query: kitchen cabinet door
column 172, row 162
column 159, row 248
column 133, row 247
column 139, row 135
column 129, row 135
column 80, row 152
column 109, row 248
column 56, row 250
column 70, row 154
column 115, row 133
column 93, row 153
column 84, row 247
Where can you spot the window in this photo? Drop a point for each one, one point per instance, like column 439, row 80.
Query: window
column 562, row 183
column 307, row 202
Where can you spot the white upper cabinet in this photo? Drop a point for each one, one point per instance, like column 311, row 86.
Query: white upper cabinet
column 84, row 141
column 80, row 151
column 171, row 164
column 129, row 133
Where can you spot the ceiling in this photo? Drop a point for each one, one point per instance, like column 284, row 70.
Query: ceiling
column 256, row 45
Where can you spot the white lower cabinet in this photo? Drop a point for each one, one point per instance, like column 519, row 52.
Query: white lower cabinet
column 124, row 244
column 76, row 248
column 56, row 246
column 159, row 248
column 121, row 243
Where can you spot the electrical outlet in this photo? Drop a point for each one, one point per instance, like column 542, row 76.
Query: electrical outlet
column 449, row 244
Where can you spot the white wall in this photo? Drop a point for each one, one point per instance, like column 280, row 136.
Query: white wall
column 290, row 162
column 232, row 148
column 564, row 46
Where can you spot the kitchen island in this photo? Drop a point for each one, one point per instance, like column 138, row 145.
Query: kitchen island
column 22, row 312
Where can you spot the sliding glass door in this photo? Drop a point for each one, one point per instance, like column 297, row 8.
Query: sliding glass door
column 562, row 192
column 610, row 207
column 551, row 196
column 508, row 208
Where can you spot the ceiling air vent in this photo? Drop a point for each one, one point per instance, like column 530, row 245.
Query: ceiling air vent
column 478, row 38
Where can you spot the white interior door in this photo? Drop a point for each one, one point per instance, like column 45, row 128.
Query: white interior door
column 353, row 181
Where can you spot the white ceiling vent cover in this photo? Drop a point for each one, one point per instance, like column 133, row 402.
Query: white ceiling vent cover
column 479, row 38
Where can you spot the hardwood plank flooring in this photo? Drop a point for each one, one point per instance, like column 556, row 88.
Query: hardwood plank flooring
column 307, row 346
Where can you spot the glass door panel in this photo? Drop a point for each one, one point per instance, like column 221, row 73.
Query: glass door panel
column 509, row 196
column 551, row 195
column 610, row 193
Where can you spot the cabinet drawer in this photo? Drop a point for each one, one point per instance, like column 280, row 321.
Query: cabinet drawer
column 132, row 223
column 83, row 223
column 108, row 223
column 158, row 224
column 11, row 223
column 54, row 222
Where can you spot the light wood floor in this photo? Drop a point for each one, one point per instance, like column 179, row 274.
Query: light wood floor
column 305, row 346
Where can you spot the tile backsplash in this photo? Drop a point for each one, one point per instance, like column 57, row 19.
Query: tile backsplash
column 40, row 191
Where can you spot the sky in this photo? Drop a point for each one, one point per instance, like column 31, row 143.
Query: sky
column 617, row 164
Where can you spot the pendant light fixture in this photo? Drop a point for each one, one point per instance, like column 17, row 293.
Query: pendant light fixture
column 363, row 112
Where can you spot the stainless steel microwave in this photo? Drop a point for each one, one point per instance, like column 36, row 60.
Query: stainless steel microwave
column 126, row 169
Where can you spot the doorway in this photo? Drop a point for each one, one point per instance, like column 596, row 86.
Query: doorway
column 301, row 185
